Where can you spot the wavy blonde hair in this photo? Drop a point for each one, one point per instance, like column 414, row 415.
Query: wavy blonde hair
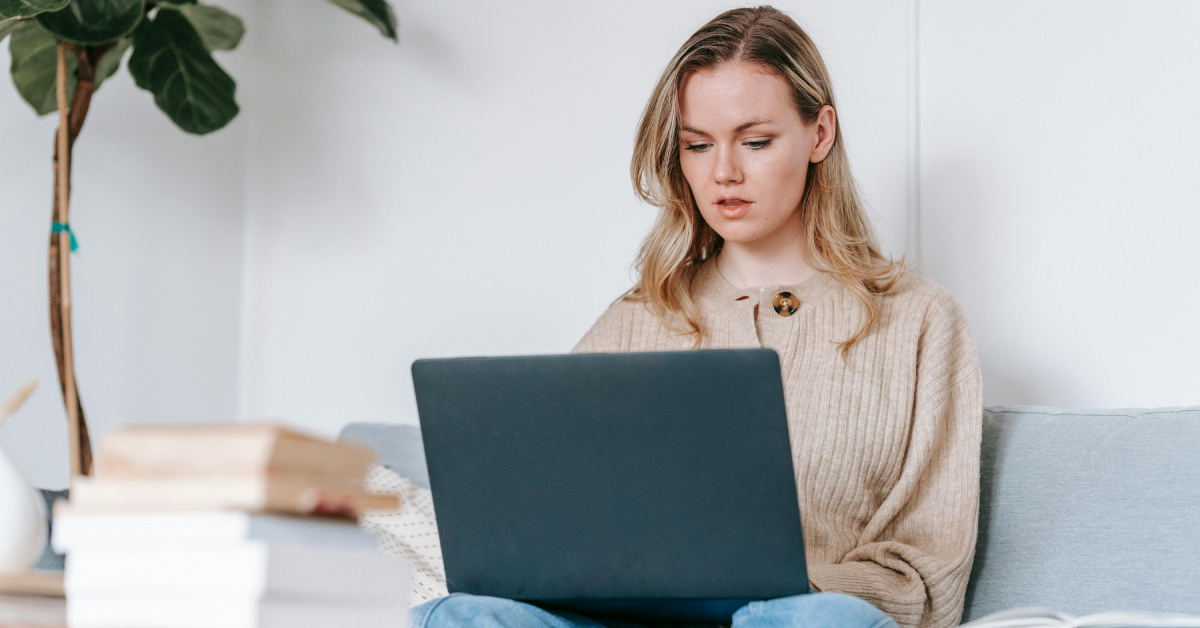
column 838, row 232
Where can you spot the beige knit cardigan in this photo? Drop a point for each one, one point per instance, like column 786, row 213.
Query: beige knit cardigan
column 885, row 445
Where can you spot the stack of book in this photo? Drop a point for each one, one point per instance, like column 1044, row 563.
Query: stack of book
column 236, row 526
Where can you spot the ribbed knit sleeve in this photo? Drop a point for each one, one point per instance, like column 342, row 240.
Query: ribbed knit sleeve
column 916, row 551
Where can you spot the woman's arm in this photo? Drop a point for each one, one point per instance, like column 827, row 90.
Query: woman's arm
column 918, row 548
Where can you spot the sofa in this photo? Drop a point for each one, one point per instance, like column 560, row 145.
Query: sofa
column 1081, row 511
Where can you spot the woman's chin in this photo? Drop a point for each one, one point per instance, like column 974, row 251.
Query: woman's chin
column 740, row 234
column 752, row 230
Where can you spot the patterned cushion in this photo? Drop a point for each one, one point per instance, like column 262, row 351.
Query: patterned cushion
column 409, row 534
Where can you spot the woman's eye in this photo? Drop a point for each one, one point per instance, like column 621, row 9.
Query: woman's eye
column 696, row 147
column 759, row 144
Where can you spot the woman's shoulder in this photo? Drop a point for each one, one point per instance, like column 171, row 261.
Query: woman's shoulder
column 627, row 308
column 936, row 319
column 917, row 295
column 621, row 319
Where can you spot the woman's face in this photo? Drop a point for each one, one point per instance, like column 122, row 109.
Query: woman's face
column 745, row 151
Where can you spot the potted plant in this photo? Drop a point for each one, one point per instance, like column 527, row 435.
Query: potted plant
column 63, row 50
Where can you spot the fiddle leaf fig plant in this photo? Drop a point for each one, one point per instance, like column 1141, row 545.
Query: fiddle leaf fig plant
column 63, row 50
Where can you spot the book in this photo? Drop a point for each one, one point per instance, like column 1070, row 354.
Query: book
column 208, row 612
column 272, row 493
column 250, row 570
column 167, row 530
column 32, row 600
column 37, row 582
column 32, row 611
column 224, row 450
column 1036, row 617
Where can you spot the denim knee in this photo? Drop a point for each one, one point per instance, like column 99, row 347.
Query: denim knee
column 812, row 610
column 461, row 609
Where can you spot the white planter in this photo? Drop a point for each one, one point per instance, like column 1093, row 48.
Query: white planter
column 22, row 519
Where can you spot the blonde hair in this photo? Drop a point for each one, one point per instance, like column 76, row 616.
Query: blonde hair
column 838, row 232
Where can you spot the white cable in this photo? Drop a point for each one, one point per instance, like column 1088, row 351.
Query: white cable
column 1045, row 618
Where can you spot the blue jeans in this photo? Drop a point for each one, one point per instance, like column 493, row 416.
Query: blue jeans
column 813, row 610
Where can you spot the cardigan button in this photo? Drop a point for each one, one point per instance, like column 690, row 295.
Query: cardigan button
column 786, row 303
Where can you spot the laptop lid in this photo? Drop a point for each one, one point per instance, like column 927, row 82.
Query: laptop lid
column 640, row 485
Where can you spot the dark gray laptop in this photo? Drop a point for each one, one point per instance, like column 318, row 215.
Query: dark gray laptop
column 643, row 486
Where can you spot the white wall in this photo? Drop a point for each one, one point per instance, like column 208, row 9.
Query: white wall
column 467, row 192
column 1060, row 163
column 156, row 281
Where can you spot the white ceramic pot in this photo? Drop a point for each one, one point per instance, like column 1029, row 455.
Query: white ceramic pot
column 22, row 519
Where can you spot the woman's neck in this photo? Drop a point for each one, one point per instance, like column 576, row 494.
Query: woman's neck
column 782, row 263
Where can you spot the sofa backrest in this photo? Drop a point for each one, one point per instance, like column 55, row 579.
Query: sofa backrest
column 397, row 447
column 1080, row 511
column 1086, row 511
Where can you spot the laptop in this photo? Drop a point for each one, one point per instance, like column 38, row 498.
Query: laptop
column 639, row 486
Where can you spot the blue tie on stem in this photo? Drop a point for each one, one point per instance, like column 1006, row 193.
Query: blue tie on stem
column 59, row 227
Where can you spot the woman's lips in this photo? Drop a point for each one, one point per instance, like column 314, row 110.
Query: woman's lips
column 733, row 207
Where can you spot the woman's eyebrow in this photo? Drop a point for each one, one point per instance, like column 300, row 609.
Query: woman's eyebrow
column 741, row 127
column 753, row 122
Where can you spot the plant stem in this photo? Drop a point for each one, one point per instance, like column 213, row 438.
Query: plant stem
column 69, row 119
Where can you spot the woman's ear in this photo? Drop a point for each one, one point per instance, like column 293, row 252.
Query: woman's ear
column 826, row 132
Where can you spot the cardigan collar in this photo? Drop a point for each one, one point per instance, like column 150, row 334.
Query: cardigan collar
column 711, row 289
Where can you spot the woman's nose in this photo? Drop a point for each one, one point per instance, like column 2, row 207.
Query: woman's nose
column 728, row 168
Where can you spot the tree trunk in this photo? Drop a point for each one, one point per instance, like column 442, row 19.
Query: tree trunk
column 70, row 123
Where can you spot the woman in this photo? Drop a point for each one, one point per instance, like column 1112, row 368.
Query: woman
column 761, row 240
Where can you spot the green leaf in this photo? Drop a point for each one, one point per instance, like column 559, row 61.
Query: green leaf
column 7, row 26
column 89, row 22
column 111, row 61
column 169, row 60
column 28, row 8
column 34, row 53
column 218, row 29
column 377, row 12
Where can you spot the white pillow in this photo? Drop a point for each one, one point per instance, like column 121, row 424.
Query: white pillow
column 409, row 533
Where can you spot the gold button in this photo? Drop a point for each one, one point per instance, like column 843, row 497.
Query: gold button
column 786, row 303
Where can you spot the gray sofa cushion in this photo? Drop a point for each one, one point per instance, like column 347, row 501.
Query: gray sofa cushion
column 1081, row 511
column 49, row 560
column 398, row 447
column 1084, row 511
